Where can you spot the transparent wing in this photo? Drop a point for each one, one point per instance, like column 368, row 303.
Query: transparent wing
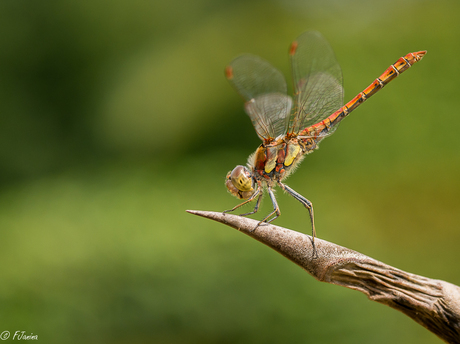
column 317, row 81
column 269, row 114
column 264, row 89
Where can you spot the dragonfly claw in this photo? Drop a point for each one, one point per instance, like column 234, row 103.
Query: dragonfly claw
column 258, row 224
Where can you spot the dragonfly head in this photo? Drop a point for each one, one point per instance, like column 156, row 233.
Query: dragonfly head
column 240, row 182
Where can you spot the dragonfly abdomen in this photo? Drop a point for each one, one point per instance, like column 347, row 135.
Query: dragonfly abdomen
column 402, row 64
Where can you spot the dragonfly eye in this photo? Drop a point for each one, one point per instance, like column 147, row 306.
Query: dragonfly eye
column 239, row 182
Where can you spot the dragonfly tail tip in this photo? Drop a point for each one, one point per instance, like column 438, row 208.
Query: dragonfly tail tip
column 420, row 54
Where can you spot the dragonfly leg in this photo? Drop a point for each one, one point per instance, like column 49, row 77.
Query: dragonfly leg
column 256, row 208
column 305, row 202
column 276, row 210
column 247, row 201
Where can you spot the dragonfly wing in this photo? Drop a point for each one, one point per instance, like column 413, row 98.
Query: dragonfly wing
column 269, row 114
column 317, row 80
column 265, row 91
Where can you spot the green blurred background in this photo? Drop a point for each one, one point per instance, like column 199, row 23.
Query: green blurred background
column 115, row 117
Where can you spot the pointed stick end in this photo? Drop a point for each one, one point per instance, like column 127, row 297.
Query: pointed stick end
column 216, row 216
column 243, row 224
column 201, row 213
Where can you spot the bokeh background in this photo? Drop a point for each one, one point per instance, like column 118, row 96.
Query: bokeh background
column 115, row 117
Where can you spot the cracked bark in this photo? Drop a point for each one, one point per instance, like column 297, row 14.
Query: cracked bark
column 434, row 304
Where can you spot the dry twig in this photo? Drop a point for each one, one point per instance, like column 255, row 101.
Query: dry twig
column 434, row 304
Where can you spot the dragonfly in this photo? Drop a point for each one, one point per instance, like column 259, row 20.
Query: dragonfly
column 292, row 127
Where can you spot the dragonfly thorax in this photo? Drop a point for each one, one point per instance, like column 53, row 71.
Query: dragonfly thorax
column 275, row 161
column 240, row 182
